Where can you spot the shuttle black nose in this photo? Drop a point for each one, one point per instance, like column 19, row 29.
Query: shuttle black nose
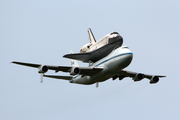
column 119, row 38
column 116, row 40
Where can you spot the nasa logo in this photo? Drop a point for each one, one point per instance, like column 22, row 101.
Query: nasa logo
column 72, row 62
column 96, row 48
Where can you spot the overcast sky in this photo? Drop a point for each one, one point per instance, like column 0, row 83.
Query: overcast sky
column 42, row 31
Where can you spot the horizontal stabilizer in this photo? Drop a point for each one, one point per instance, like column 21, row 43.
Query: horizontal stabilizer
column 59, row 77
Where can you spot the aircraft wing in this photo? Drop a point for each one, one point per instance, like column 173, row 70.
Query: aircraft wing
column 27, row 64
column 133, row 74
column 50, row 67
column 80, row 70
column 94, row 55
column 137, row 76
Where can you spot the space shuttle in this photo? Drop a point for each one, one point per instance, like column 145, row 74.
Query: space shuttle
column 111, row 38
column 94, row 51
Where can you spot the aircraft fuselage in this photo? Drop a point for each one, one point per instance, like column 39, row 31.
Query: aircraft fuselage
column 117, row 60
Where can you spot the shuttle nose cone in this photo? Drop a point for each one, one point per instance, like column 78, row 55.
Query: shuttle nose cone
column 117, row 40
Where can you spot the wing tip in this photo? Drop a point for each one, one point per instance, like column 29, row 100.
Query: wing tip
column 162, row 76
column 14, row 62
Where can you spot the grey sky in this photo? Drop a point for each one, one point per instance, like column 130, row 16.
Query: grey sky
column 39, row 31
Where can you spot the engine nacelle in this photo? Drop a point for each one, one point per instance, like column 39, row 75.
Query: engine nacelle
column 43, row 69
column 85, row 48
column 154, row 80
column 138, row 77
column 75, row 71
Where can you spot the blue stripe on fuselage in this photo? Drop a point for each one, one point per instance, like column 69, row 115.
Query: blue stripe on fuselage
column 104, row 62
column 112, row 58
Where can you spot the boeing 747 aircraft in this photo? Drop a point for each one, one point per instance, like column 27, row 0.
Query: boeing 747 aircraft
column 111, row 66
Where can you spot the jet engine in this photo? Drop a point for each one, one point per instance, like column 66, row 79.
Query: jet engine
column 138, row 77
column 43, row 69
column 75, row 71
column 154, row 80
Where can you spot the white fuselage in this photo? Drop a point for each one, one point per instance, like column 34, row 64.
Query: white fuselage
column 117, row 60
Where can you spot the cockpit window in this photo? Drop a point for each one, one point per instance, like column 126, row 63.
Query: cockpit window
column 114, row 33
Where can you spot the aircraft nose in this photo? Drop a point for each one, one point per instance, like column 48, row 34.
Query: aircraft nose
column 127, row 60
column 118, row 39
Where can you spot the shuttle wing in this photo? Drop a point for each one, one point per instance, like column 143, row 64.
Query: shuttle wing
column 93, row 55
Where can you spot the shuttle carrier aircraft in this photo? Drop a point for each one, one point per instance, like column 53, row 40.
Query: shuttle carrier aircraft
column 110, row 66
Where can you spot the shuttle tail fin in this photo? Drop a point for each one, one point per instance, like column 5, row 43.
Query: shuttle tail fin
column 92, row 39
column 74, row 63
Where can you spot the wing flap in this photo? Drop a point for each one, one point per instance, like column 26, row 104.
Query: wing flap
column 60, row 68
column 90, row 71
column 59, row 77
column 50, row 67
column 83, row 70
column 131, row 74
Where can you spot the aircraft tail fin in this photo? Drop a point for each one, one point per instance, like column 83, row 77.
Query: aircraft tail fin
column 92, row 39
column 74, row 63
